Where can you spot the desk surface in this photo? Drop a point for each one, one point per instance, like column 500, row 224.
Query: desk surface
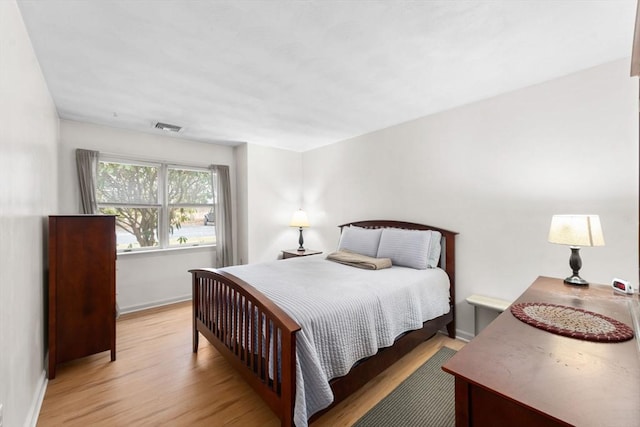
column 577, row 382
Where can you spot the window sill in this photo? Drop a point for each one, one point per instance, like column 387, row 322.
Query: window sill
column 166, row 251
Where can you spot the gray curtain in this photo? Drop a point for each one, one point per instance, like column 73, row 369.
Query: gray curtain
column 222, row 189
column 87, row 164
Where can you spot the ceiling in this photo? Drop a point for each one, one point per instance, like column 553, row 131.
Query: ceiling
column 299, row 74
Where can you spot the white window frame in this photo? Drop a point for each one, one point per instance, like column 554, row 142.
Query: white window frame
column 162, row 203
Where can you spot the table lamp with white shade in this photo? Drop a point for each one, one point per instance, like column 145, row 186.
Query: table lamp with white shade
column 576, row 231
column 300, row 220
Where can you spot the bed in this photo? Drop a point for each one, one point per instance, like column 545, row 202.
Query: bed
column 261, row 339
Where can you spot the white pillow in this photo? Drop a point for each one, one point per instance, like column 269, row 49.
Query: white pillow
column 360, row 240
column 434, row 249
column 407, row 248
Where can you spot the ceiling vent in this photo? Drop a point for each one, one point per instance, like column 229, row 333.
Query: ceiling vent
column 167, row 127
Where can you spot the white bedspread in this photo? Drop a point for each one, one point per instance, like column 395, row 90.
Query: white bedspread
column 346, row 314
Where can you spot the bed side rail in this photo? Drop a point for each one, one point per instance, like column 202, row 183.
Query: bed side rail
column 251, row 332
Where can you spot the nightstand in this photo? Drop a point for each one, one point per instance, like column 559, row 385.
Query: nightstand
column 292, row 253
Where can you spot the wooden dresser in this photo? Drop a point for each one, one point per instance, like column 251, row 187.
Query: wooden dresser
column 513, row 374
column 82, row 293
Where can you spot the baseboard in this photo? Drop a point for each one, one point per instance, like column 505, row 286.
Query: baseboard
column 154, row 304
column 464, row 335
column 36, row 404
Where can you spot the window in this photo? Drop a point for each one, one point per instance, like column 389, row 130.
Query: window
column 156, row 205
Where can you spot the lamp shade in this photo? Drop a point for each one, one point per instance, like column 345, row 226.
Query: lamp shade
column 299, row 219
column 576, row 230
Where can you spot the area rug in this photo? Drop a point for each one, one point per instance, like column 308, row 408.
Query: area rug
column 425, row 399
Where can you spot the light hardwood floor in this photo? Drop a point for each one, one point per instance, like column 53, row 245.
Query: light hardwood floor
column 157, row 380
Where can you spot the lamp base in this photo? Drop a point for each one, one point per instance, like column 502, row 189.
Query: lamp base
column 576, row 280
column 301, row 242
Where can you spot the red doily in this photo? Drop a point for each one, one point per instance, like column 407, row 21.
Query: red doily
column 572, row 322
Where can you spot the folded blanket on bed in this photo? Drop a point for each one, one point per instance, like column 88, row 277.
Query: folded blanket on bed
column 354, row 259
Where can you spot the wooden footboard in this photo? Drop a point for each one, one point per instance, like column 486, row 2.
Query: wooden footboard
column 251, row 332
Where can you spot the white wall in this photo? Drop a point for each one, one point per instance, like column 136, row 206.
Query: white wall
column 242, row 242
column 273, row 191
column 152, row 278
column 28, row 168
column 496, row 171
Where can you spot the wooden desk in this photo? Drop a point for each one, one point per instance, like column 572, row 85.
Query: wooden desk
column 514, row 374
